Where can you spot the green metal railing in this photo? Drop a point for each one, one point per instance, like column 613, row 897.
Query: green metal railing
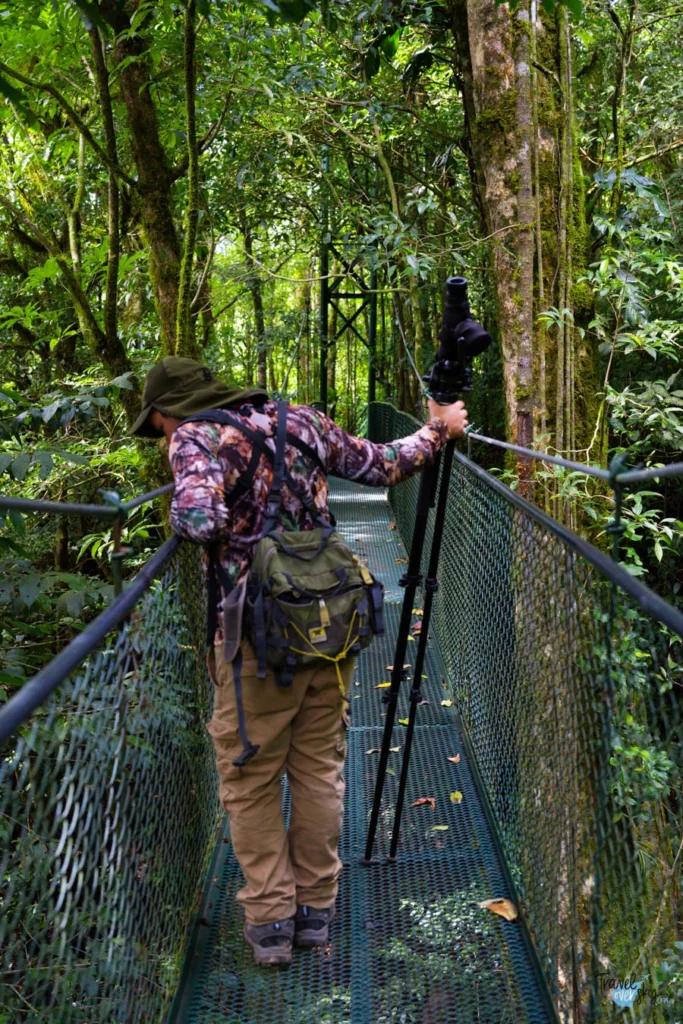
column 108, row 806
column 566, row 674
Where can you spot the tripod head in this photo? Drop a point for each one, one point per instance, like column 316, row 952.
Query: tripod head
column 461, row 338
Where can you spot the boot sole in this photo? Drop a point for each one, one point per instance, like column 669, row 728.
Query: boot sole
column 273, row 957
column 307, row 940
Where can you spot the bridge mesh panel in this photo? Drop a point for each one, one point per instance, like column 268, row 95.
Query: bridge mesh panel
column 571, row 698
column 107, row 811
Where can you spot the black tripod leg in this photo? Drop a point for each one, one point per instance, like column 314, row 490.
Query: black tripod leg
column 430, row 589
column 410, row 581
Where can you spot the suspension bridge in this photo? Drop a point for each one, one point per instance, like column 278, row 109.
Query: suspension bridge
column 546, row 772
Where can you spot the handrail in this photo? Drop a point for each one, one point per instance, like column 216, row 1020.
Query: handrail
column 630, row 476
column 19, row 707
column 71, row 508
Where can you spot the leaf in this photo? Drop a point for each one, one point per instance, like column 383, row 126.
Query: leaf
column 17, row 521
column 456, row 797
column 44, row 460
column 440, row 828
column 122, row 381
column 446, row 703
column 425, row 801
column 10, row 92
column 390, row 668
column 504, row 907
column 50, row 410
column 455, row 760
column 403, row 721
column 382, row 686
column 373, row 750
column 91, row 15
column 418, row 611
column 392, row 526
column 401, row 561
column 395, row 750
column 389, row 43
column 5, row 461
column 371, row 63
column 20, row 466
column 390, row 771
column 72, row 603
column 78, row 460
column 417, row 627
column 29, row 591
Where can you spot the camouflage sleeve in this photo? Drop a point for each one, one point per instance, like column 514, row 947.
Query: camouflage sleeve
column 198, row 510
column 381, row 465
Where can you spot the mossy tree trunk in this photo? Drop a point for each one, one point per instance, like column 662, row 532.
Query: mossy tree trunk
column 515, row 70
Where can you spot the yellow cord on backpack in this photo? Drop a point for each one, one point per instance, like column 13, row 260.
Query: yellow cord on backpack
column 348, row 644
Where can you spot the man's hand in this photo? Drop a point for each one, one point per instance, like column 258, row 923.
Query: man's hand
column 454, row 416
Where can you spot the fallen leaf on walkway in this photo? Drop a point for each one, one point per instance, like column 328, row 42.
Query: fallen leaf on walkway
column 357, row 683
column 418, row 611
column 403, row 721
column 412, row 638
column 505, row 908
column 401, row 561
column 395, row 750
column 373, row 750
column 390, row 668
column 456, row 797
column 416, row 627
column 425, row 801
column 439, row 828
column 356, row 696
column 390, row 771
column 446, row 703
column 392, row 526
column 456, row 759
column 382, row 686
column 421, row 702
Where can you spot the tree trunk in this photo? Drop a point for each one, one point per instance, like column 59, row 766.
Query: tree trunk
column 154, row 178
column 256, row 289
column 515, row 70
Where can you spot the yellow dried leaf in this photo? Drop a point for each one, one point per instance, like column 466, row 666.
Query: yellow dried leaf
column 373, row 750
column 446, row 703
column 456, row 797
column 395, row 750
column 382, row 686
column 504, row 907
column 412, row 639
column 418, row 611
column 455, row 760
column 439, row 828
column 403, row 721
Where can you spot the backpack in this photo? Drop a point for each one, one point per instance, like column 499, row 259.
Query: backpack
column 307, row 598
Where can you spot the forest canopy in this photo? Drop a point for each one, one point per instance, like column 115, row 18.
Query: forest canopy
column 191, row 178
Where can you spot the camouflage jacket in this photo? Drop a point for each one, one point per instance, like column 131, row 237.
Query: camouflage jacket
column 207, row 459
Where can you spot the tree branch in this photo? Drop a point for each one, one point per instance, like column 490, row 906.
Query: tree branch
column 181, row 167
column 74, row 120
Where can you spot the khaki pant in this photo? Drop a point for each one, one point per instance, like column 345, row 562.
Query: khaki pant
column 300, row 730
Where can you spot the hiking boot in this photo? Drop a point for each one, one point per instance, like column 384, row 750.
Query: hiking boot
column 311, row 926
column 272, row 943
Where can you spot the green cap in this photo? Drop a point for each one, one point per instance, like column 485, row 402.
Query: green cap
column 180, row 387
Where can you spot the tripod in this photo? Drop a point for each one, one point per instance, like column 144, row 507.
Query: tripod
column 413, row 578
column 461, row 339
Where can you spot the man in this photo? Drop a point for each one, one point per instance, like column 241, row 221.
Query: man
column 291, row 878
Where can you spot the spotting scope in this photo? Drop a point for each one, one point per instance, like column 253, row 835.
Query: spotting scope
column 461, row 339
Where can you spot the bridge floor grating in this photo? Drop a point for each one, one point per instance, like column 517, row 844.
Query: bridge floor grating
column 410, row 945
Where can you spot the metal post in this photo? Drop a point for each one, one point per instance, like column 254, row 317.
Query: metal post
column 372, row 336
column 324, row 285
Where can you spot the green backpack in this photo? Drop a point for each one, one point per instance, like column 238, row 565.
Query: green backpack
column 307, row 599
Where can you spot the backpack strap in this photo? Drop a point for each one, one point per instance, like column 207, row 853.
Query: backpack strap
column 258, row 440
column 274, row 499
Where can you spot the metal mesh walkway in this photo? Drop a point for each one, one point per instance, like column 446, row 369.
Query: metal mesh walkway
column 410, row 944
